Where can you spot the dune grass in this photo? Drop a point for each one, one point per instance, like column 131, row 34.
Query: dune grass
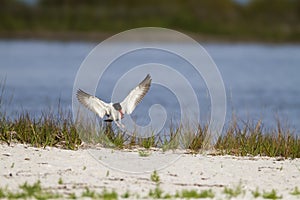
column 59, row 130
column 253, row 139
column 47, row 130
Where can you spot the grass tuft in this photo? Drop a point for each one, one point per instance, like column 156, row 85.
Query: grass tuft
column 57, row 129
column 253, row 139
column 271, row 195
column 155, row 177
column 28, row 191
column 194, row 194
column 156, row 193
column 295, row 192
column 234, row 192
column 256, row 193
column 143, row 153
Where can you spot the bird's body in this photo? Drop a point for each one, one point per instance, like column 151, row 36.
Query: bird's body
column 115, row 111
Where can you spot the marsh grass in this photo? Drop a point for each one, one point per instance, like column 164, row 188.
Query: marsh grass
column 47, row 130
column 252, row 139
column 57, row 129
column 239, row 139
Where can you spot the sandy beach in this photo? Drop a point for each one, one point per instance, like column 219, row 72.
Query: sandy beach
column 79, row 169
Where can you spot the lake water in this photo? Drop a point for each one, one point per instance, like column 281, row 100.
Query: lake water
column 261, row 80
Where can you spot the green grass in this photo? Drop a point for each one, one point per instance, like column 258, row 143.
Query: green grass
column 256, row 193
column 295, row 192
column 126, row 195
column 57, row 129
column 47, row 130
column 194, row 194
column 234, row 192
column 143, row 153
column 60, row 181
column 271, row 195
column 105, row 195
column 252, row 139
column 157, row 193
column 28, row 191
column 36, row 191
column 268, row 195
column 88, row 193
column 155, row 177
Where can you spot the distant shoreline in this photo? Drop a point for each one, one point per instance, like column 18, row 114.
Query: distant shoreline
column 98, row 36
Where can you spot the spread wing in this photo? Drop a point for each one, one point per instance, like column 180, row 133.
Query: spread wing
column 136, row 95
column 93, row 103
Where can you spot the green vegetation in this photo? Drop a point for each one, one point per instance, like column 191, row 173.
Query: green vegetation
column 271, row 195
column 295, row 192
column 253, row 139
column 265, row 20
column 234, row 192
column 155, row 177
column 126, row 195
column 28, row 191
column 266, row 195
column 35, row 191
column 59, row 130
column 48, row 130
column 194, row 194
column 143, row 153
column 60, row 181
column 157, row 193
column 105, row 195
column 256, row 193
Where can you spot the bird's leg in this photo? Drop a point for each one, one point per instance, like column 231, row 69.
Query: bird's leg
column 120, row 125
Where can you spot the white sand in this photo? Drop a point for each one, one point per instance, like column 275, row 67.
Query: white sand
column 78, row 169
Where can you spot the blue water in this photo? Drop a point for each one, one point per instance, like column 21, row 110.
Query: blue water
column 261, row 80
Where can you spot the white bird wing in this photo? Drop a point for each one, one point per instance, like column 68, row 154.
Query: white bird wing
column 93, row 103
column 136, row 95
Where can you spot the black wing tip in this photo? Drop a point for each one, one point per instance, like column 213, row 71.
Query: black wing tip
column 81, row 95
column 147, row 80
column 80, row 92
column 148, row 77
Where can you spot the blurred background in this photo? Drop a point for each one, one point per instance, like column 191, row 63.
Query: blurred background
column 255, row 44
column 260, row 20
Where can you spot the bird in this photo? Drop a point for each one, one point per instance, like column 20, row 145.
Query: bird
column 115, row 111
